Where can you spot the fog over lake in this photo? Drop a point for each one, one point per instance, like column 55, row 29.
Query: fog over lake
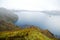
column 40, row 19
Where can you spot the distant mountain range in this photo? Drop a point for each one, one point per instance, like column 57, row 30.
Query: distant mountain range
column 53, row 12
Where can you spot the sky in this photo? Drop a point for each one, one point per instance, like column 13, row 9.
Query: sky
column 37, row 5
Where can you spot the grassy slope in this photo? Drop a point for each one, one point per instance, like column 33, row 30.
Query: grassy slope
column 9, row 31
column 25, row 34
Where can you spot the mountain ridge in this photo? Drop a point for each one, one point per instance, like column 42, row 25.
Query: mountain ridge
column 8, row 15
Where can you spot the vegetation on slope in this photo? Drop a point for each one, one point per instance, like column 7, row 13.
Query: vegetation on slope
column 9, row 31
column 45, row 32
column 31, row 33
column 25, row 34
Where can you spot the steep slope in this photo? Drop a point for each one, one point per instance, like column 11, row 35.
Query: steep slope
column 9, row 31
column 4, row 26
column 7, row 15
column 45, row 32
column 24, row 34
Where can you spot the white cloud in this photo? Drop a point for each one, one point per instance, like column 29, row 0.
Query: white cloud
column 31, row 4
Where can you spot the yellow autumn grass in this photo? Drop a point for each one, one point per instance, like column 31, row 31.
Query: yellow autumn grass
column 24, row 34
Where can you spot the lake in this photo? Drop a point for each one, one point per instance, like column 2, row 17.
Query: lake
column 42, row 20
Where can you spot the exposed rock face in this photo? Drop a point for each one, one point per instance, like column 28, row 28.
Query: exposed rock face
column 7, row 15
